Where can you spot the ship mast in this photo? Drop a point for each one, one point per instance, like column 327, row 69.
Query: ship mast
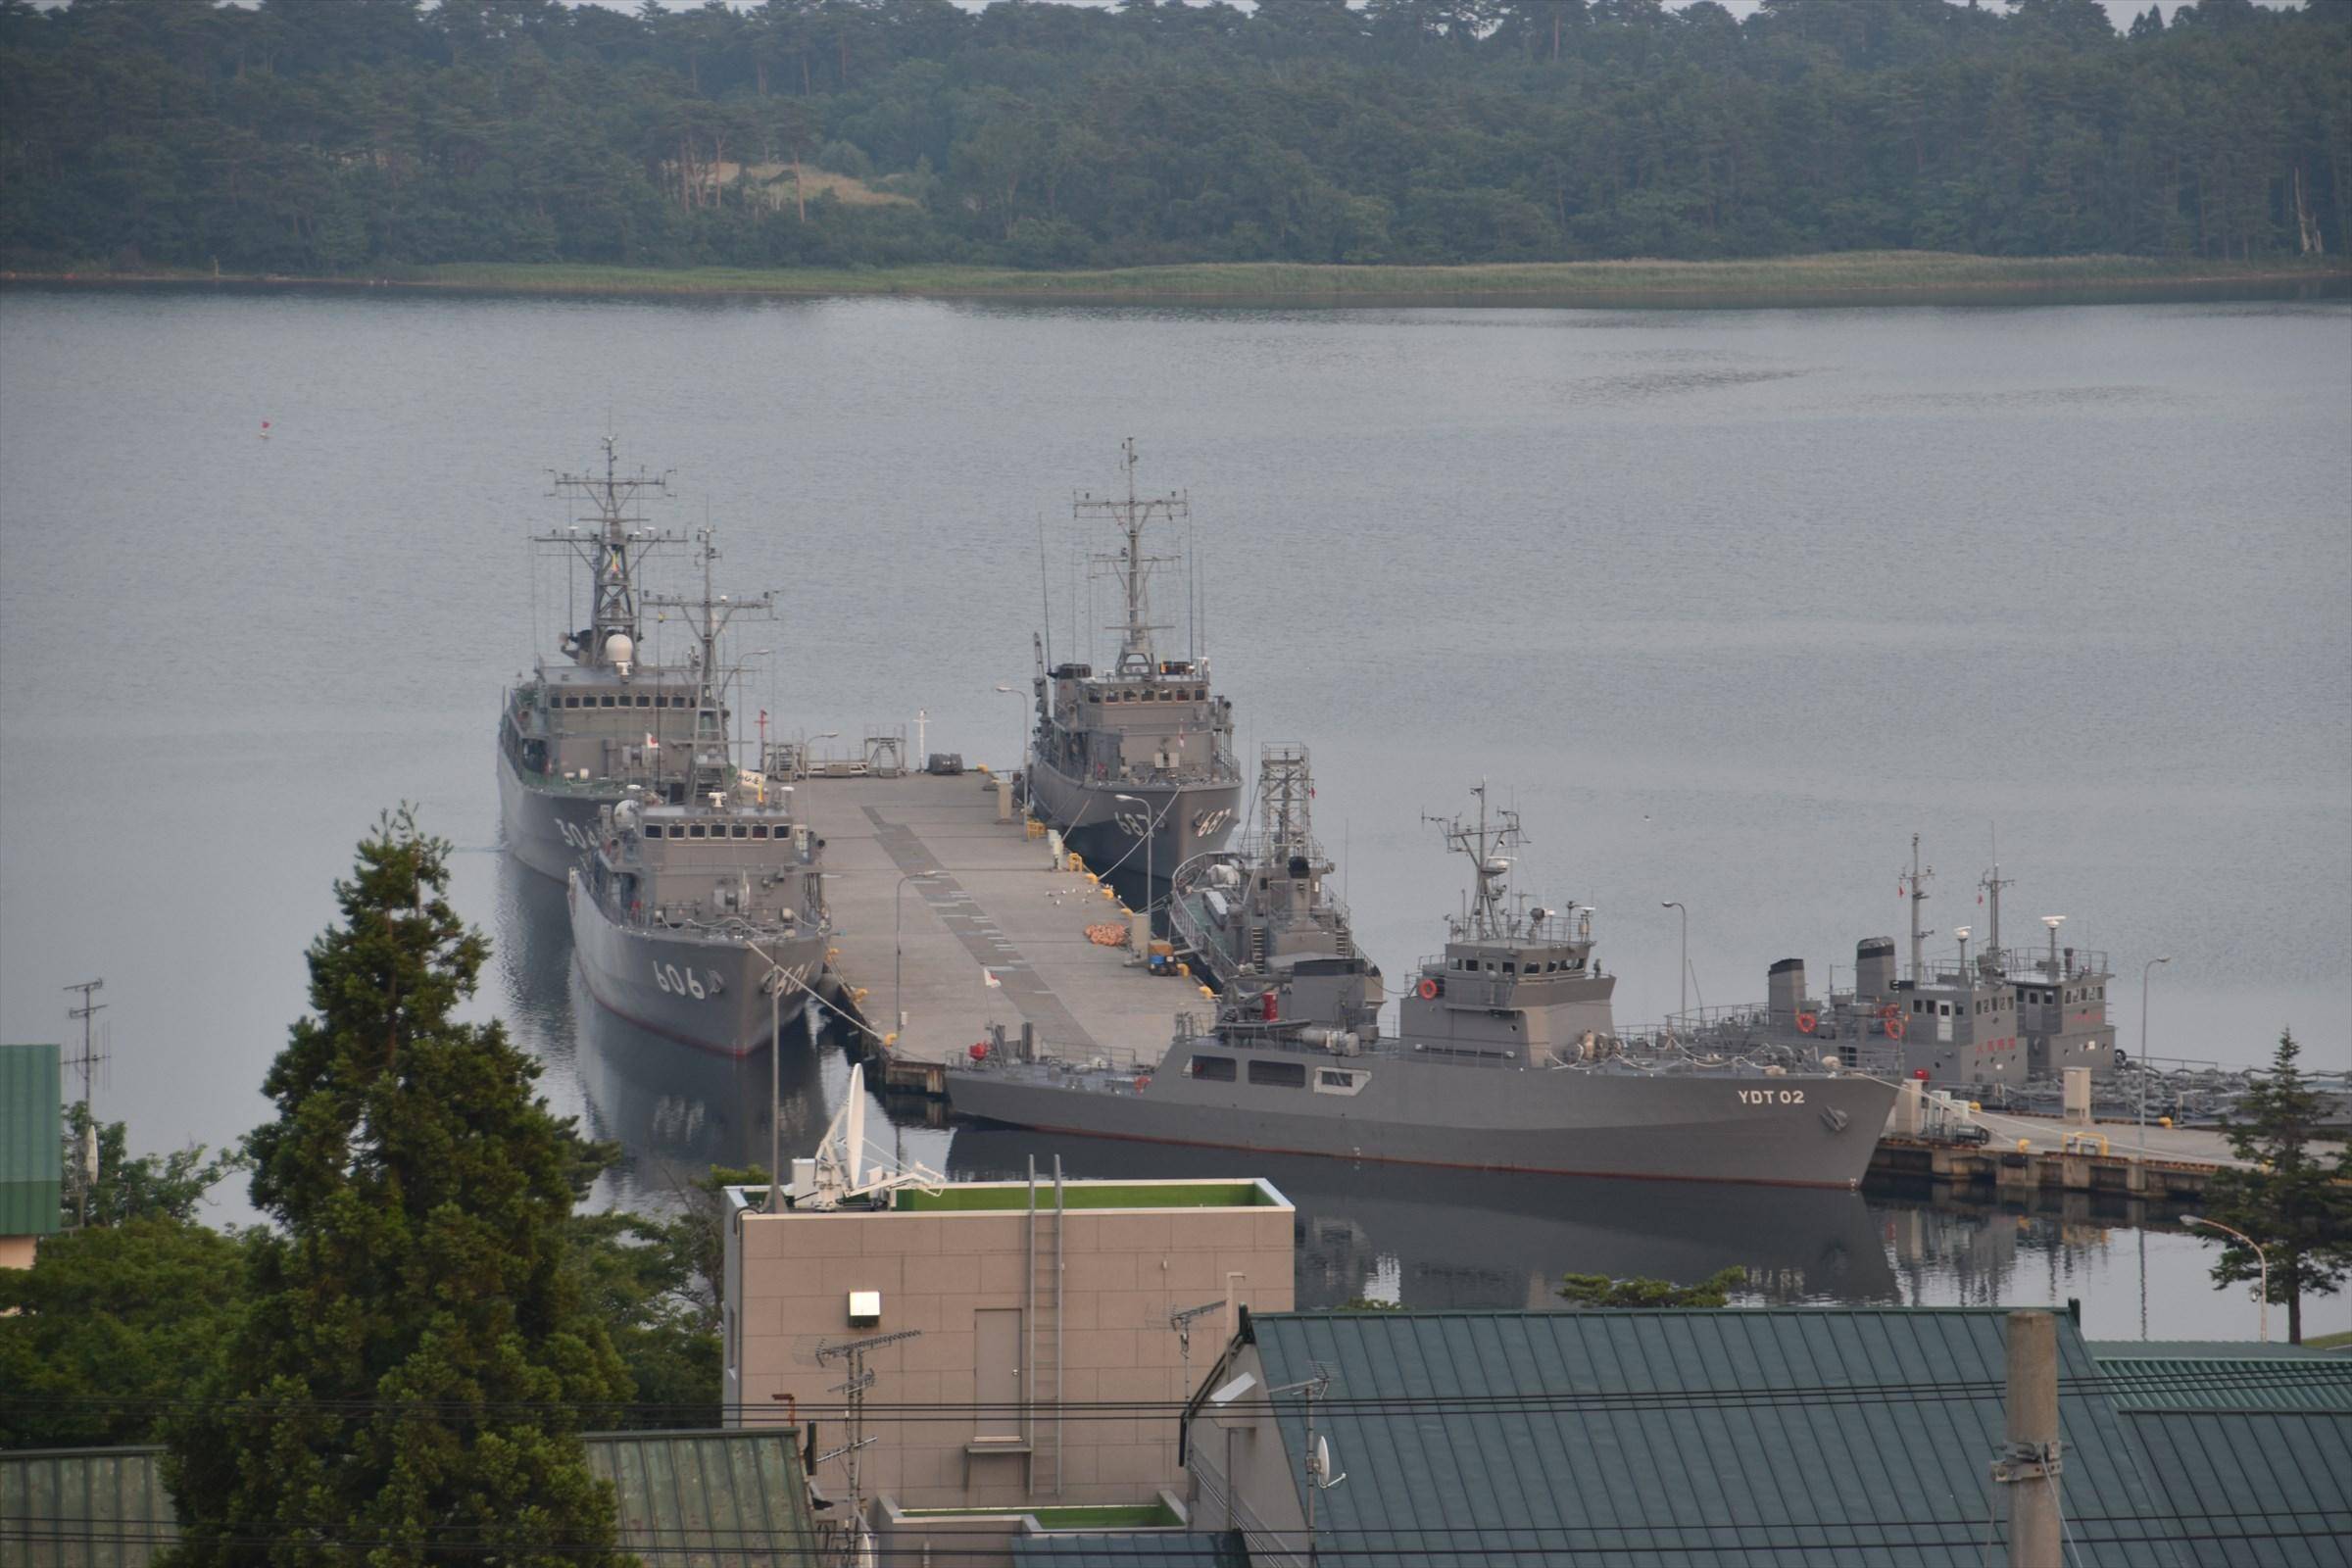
column 1284, row 790
column 1487, row 920
column 607, row 502
column 1130, row 565
column 1916, row 888
column 1992, row 882
column 712, row 612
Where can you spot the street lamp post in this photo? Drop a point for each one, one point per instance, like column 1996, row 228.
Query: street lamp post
column 2261, row 1257
column 1682, row 1017
column 1022, row 743
column 897, row 926
column 2143, row 1051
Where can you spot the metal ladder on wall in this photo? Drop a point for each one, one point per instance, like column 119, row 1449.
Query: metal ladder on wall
column 1042, row 1399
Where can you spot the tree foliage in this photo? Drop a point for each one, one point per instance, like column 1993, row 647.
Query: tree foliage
column 415, row 1359
column 1599, row 1290
column 2295, row 1201
column 369, row 135
column 169, row 1186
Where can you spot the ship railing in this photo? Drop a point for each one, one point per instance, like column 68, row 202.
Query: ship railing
column 2034, row 965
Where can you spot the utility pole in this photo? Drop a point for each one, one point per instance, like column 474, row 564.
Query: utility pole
column 2029, row 1463
column 85, row 1158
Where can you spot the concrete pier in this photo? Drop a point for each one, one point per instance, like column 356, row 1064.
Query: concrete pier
column 935, row 883
column 2105, row 1157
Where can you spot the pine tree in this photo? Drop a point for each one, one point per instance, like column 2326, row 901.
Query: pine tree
column 2296, row 1199
column 416, row 1364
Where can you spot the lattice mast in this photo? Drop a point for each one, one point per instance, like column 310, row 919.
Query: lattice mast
column 1284, row 793
column 1487, row 917
column 1130, row 565
column 609, row 538
column 711, row 614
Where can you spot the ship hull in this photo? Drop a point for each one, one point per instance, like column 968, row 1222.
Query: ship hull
column 701, row 992
column 1187, row 819
column 546, row 830
column 1802, row 1132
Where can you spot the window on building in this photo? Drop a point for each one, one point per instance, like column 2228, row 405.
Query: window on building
column 644, row 701
column 1278, row 1074
column 572, row 701
column 1217, row 1070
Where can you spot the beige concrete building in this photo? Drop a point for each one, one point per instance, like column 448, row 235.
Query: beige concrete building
column 1030, row 1307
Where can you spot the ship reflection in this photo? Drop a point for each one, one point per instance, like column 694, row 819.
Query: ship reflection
column 1475, row 1239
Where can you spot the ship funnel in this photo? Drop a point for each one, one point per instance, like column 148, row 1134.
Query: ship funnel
column 1785, row 990
column 1874, row 967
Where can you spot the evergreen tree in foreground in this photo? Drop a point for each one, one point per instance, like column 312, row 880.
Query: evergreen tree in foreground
column 2296, row 1201
column 414, row 1370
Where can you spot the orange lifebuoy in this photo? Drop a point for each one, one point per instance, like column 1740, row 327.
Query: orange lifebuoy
column 1142, row 1083
column 1889, row 1012
column 1894, row 1028
column 1808, row 1022
column 1427, row 990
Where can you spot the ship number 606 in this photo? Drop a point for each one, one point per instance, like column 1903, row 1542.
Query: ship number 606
column 1772, row 1096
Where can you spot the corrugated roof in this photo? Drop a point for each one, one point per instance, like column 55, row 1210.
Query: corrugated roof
column 2270, row 1487
column 706, row 1499
column 1175, row 1549
column 2228, row 1383
column 31, row 1140
column 1869, row 1464
column 2208, row 1351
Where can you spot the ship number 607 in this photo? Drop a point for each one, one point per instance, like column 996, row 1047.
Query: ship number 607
column 1772, row 1096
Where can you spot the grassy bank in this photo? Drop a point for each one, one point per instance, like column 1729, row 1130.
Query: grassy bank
column 1841, row 279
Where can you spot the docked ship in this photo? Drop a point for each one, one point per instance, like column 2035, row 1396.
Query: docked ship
column 1264, row 913
column 1504, row 1058
column 702, row 917
column 585, row 727
column 1985, row 1018
column 1134, row 766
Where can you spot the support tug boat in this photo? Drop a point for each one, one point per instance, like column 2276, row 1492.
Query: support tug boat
column 1504, row 1058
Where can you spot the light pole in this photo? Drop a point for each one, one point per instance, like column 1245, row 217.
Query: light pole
column 1682, row 1016
column 1150, row 831
column 2143, row 1051
column 898, row 926
column 2261, row 1257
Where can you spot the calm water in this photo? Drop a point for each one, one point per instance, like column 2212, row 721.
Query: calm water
column 1730, row 604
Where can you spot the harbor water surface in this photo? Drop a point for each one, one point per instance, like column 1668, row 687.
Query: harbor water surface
column 1728, row 603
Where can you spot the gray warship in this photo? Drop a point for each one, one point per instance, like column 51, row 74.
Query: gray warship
column 1263, row 912
column 1135, row 766
column 576, row 734
column 1985, row 1018
column 1504, row 1058
column 703, row 918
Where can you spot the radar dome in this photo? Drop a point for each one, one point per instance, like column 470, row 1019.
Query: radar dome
column 620, row 651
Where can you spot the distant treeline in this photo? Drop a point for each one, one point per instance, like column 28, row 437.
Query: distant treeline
column 360, row 136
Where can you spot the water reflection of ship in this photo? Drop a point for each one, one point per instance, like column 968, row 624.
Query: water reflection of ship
column 1469, row 1239
column 532, row 948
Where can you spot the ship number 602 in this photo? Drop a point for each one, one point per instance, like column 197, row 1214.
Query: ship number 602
column 1772, row 1096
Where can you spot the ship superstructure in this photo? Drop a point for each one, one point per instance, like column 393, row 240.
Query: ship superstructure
column 703, row 916
column 1133, row 764
column 1265, row 912
column 1504, row 1058
column 581, row 729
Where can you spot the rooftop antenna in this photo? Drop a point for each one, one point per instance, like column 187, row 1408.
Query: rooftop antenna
column 1182, row 1321
column 842, row 1171
column 853, row 1355
column 1319, row 1478
column 1915, row 888
column 85, row 1158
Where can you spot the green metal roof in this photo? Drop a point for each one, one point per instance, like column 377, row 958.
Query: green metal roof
column 2270, row 1487
column 2105, row 1350
column 1787, row 1437
column 701, row 1499
column 2230, row 1383
column 1174, row 1549
column 32, row 1137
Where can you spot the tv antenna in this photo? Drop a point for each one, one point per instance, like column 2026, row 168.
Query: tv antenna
column 1182, row 1321
column 86, row 1156
column 853, row 1354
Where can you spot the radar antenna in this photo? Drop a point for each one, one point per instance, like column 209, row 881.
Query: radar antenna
column 614, row 535
column 1488, row 918
column 1130, row 565
column 711, row 614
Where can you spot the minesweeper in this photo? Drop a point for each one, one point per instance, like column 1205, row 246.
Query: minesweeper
column 1264, row 913
column 1504, row 1058
column 704, row 919
column 583, row 729
column 1135, row 767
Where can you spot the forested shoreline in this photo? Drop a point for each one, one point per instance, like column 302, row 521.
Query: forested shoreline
column 386, row 138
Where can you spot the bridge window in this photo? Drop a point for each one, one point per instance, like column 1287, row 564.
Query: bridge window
column 653, row 830
column 742, row 832
column 1218, row 1068
column 1278, row 1074
column 760, row 830
column 695, row 832
column 572, row 701
column 644, row 701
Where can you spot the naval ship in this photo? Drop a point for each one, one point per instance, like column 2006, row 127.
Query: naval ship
column 1134, row 766
column 1263, row 912
column 1504, row 1058
column 582, row 728
column 702, row 917
column 1989, row 1021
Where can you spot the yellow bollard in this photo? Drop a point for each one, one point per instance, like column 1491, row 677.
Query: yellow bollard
column 2024, row 1145
column 1186, row 970
column 831, row 953
column 2164, row 1121
column 1205, row 991
column 890, row 1039
column 857, row 995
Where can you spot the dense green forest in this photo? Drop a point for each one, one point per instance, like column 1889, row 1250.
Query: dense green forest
column 363, row 136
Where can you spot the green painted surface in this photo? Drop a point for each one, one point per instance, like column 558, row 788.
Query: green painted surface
column 1157, row 1550
column 2252, row 1487
column 1153, row 1515
column 31, row 1140
column 1088, row 1195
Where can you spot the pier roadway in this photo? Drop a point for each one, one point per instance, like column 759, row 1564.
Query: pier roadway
column 931, row 895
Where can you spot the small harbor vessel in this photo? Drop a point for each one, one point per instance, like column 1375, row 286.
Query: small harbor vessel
column 1504, row 1058
column 1133, row 765
column 704, row 918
